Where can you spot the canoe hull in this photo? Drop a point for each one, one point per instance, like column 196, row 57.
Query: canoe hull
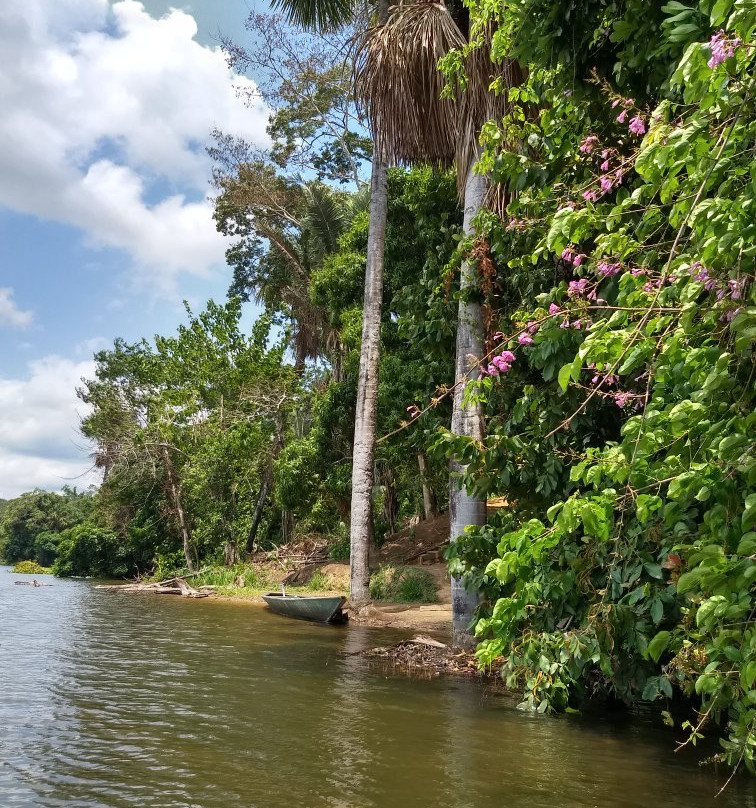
column 304, row 607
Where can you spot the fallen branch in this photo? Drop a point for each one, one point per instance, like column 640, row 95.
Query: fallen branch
column 173, row 586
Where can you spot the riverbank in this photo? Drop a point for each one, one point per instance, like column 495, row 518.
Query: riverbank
column 333, row 579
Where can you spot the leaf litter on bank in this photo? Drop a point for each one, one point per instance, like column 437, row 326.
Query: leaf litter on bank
column 424, row 656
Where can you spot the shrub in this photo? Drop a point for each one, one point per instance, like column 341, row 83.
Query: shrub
column 403, row 585
column 90, row 550
column 30, row 568
column 338, row 550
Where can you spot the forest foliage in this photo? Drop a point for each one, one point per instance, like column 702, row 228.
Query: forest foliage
column 619, row 390
column 616, row 271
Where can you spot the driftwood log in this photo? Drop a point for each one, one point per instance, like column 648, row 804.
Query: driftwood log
column 173, row 586
column 30, row 583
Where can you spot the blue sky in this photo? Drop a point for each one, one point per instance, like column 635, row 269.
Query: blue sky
column 105, row 220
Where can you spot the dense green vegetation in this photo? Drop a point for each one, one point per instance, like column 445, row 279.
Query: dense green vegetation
column 403, row 585
column 623, row 429
column 614, row 268
column 30, row 568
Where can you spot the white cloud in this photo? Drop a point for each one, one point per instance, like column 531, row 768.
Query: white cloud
column 39, row 443
column 104, row 106
column 10, row 315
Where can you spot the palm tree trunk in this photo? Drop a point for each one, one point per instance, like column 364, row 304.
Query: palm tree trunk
column 363, row 454
column 465, row 509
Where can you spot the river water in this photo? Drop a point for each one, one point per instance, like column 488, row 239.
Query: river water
column 116, row 701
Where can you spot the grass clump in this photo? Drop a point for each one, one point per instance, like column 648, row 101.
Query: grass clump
column 31, row 568
column 319, row 582
column 403, row 585
column 240, row 579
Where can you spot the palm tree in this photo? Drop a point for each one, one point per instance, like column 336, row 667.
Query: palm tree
column 324, row 15
column 398, row 80
column 402, row 87
column 301, row 223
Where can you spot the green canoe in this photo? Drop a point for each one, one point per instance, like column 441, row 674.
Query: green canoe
column 321, row 609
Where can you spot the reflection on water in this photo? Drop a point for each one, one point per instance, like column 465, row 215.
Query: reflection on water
column 113, row 701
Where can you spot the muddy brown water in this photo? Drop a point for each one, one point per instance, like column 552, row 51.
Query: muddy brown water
column 115, row 701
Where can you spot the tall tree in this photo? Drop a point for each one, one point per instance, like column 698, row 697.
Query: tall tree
column 403, row 88
column 323, row 15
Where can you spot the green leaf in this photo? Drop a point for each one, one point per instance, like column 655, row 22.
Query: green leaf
column 747, row 545
column 654, row 570
column 749, row 513
column 564, row 376
column 689, row 580
column 658, row 645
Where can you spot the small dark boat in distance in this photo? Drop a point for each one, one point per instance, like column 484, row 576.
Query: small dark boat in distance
column 320, row 608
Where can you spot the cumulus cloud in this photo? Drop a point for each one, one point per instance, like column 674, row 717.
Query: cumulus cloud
column 39, row 443
column 104, row 109
column 10, row 315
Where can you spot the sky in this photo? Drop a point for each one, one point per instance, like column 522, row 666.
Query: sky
column 105, row 211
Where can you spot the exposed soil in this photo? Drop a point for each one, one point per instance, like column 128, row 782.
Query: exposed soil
column 419, row 545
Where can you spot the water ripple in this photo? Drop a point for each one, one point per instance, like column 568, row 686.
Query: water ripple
column 115, row 701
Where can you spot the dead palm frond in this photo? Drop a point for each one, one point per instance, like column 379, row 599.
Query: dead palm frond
column 479, row 102
column 398, row 82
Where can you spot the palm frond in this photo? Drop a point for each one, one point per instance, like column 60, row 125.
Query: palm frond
column 325, row 216
column 398, row 82
column 318, row 15
column 478, row 102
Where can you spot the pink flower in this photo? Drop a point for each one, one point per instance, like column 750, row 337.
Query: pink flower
column 618, row 175
column 637, row 126
column 722, row 47
column 567, row 254
column 621, row 399
column 604, row 166
column 590, row 196
column 525, row 339
column 622, row 117
column 578, row 259
column 554, row 309
column 636, row 271
column 577, row 288
column 606, row 184
column 607, row 269
column 588, row 144
column 413, row 410
column 736, row 289
column 577, row 325
column 501, row 363
column 533, row 326
column 616, row 103
column 564, row 324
